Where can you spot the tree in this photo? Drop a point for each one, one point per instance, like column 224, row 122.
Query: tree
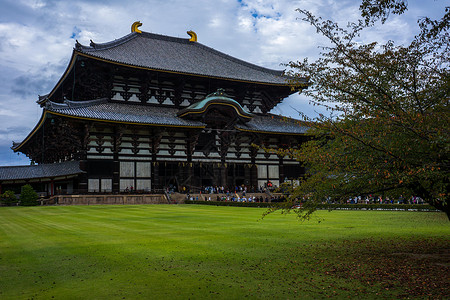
column 8, row 198
column 388, row 130
column 28, row 196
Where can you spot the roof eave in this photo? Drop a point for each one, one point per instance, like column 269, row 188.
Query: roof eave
column 61, row 80
column 88, row 55
column 32, row 133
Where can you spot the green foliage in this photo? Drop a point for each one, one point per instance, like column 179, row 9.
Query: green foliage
column 388, row 133
column 373, row 10
column 8, row 198
column 290, row 205
column 286, row 188
column 28, row 196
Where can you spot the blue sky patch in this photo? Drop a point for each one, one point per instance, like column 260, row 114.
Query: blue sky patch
column 75, row 32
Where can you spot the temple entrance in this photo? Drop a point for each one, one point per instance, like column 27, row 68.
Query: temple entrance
column 168, row 173
column 236, row 175
column 204, row 175
column 207, row 182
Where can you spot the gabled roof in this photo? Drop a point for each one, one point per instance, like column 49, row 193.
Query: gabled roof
column 171, row 54
column 67, row 168
column 218, row 98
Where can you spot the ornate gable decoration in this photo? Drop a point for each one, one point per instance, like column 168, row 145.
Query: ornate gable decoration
column 220, row 105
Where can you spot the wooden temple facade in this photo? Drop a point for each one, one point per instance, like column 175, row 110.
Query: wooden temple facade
column 150, row 112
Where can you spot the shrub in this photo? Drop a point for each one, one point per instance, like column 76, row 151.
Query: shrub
column 28, row 196
column 418, row 207
column 8, row 198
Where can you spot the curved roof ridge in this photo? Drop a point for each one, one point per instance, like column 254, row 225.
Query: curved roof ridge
column 86, row 103
column 74, row 104
column 106, row 45
column 129, row 37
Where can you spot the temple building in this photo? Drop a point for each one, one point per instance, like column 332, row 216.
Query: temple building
column 150, row 112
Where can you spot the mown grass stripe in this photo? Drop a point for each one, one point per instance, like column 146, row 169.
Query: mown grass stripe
column 193, row 251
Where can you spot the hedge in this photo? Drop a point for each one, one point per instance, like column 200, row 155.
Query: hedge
column 415, row 207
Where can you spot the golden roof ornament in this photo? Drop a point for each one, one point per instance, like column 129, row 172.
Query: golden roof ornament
column 193, row 36
column 135, row 25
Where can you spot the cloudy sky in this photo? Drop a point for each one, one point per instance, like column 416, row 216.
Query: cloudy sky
column 37, row 38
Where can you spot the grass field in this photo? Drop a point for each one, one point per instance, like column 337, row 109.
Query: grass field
column 198, row 252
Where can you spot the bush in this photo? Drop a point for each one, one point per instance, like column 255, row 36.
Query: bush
column 8, row 198
column 28, row 196
column 418, row 207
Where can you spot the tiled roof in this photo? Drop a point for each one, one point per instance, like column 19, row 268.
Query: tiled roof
column 121, row 112
column 166, row 116
column 40, row 171
column 274, row 124
column 179, row 55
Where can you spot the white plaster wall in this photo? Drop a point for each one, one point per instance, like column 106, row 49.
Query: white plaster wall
column 274, row 172
column 127, row 169
column 144, row 184
column 106, row 185
column 262, row 172
column 126, row 183
column 93, row 185
column 143, row 169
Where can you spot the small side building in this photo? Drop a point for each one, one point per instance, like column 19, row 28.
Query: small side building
column 47, row 179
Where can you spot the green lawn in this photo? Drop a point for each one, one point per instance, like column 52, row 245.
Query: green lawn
column 197, row 252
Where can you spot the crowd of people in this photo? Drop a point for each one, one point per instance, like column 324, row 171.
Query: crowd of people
column 237, row 198
column 237, row 189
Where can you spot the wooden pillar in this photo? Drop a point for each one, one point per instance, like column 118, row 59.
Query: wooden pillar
column 116, row 162
column 156, row 139
column 83, row 178
column 280, row 170
column 52, row 187
column 253, row 168
column 223, row 175
column 116, row 174
column 83, row 183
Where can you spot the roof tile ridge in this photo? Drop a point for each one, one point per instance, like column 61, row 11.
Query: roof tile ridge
column 15, row 167
column 50, row 105
column 281, row 117
column 101, row 46
column 165, row 37
column 238, row 60
column 67, row 104
column 86, row 103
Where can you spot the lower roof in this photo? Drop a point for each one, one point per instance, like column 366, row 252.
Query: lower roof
column 40, row 171
column 103, row 110
column 274, row 124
